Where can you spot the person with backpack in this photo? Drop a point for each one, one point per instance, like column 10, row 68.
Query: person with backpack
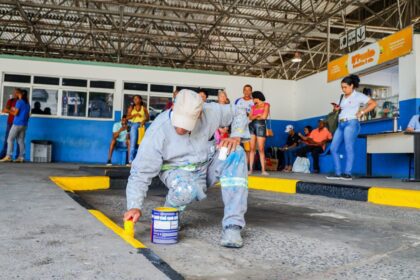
column 348, row 128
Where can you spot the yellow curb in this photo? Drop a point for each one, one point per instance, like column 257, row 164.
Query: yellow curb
column 272, row 184
column 116, row 229
column 394, row 197
column 89, row 183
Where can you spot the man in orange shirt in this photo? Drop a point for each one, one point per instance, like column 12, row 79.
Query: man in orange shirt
column 317, row 141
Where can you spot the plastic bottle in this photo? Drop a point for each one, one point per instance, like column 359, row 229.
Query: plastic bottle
column 395, row 124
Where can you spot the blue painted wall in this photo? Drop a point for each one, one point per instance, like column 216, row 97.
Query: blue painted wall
column 73, row 140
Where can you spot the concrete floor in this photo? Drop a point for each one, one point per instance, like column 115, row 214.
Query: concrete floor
column 44, row 234
column 287, row 237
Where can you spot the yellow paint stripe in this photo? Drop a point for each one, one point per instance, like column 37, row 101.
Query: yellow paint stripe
column 116, row 229
column 394, row 197
column 272, row 184
column 87, row 183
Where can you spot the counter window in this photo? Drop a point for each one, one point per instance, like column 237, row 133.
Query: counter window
column 44, row 101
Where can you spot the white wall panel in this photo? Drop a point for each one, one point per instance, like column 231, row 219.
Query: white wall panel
column 278, row 92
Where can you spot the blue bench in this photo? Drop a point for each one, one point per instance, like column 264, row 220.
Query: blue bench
column 326, row 162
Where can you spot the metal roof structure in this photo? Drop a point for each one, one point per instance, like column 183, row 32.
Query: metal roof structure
column 241, row 37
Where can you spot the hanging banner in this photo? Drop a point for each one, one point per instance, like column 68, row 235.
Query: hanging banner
column 389, row 48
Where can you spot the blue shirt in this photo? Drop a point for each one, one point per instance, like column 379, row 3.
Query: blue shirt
column 23, row 115
column 414, row 123
column 122, row 137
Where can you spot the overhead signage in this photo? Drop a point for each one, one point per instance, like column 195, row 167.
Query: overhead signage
column 351, row 38
column 389, row 48
column 361, row 33
column 343, row 42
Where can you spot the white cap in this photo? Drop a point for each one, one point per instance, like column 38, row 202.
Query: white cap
column 288, row 128
column 187, row 109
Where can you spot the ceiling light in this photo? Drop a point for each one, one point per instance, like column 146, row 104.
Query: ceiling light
column 297, row 58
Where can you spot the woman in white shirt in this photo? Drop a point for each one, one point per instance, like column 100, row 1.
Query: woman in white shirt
column 348, row 124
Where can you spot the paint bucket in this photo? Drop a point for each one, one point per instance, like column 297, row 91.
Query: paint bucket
column 164, row 229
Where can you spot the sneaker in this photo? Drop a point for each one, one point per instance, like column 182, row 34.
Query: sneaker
column 109, row 163
column 265, row 173
column 346, row 177
column 334, row 177
column 6, row 159
column 19, row 160
column 231, row 237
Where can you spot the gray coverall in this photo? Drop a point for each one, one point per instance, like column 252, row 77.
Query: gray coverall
column 188, row 164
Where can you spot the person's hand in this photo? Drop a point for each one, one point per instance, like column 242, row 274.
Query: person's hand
column 300, row 134
column 360, row 114
column 133, row 214
column 230, row 143
column 311, row 141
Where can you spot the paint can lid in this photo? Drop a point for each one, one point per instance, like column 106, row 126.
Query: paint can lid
column 166, row 209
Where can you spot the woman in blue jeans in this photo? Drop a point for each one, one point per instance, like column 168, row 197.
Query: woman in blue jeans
column 352, row 107
column 138, row 116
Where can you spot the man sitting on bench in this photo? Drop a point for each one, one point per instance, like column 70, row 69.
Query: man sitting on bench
column 119, row 138
column 317, row 141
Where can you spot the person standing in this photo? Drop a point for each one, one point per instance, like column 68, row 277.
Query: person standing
column 138, row 116
column 246, row 102
column 348, row 125
column 119, row 138
column 176, row 147
column 204, row 95
column 11, row 103
column 222, row 97
column 20, row 123
column 258, row 129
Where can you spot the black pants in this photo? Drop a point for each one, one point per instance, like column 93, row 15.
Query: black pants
column 315, row 150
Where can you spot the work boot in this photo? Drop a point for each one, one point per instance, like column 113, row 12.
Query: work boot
column 231, row 237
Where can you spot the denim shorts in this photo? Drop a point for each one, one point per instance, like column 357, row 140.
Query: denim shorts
column 121, row 145
column 258, row 128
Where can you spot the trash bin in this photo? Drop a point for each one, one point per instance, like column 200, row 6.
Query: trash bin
column 41, row 151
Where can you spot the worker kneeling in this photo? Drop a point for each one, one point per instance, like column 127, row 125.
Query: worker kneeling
column 179, row 147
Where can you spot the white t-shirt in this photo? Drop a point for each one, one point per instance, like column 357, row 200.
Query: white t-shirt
column 351, row 105
column 241, row 102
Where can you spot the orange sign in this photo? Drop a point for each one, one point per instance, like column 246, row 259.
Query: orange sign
column 389, row 48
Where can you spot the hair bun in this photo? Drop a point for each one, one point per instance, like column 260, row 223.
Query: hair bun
column 355, row 78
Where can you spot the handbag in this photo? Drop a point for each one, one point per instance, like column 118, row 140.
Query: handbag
column 268, row 131
column 332, row 118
